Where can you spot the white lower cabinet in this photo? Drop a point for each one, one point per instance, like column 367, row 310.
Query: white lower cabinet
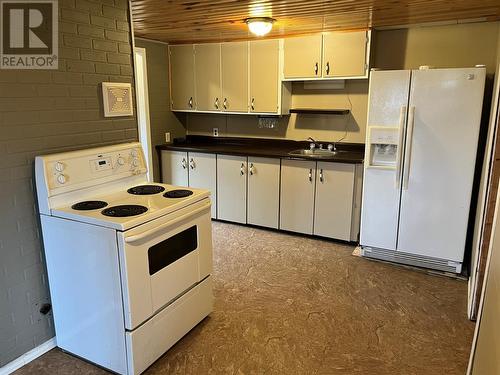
column 297, row 195
column 203, row 175
column 263, row 191
column 193, row 169
column 320, row 198
column 333, row 206
column 174, row 168
column 232, row 188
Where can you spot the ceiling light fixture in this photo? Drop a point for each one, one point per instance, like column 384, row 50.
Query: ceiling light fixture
column 260, row 26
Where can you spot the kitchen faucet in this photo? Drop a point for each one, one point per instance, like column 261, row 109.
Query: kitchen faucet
column 312, row 145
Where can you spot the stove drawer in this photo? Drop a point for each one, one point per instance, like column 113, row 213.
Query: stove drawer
column 162, row 259
column 148, row 342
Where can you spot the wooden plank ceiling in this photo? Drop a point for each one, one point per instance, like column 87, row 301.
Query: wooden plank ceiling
column 222, row 20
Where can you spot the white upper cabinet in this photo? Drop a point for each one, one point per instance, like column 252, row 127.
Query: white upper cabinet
column 215, row 77
column 264, row 76
column 207, row 62
column 234, row 66
column 263, row 191
column 327, row 56
column 345, row 54
column 302, row 56
column 182, row 91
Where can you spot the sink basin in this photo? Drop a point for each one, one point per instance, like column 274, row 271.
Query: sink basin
column 315, row 153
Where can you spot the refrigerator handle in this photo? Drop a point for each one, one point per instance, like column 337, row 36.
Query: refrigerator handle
column 402, row 118
column 409, row 140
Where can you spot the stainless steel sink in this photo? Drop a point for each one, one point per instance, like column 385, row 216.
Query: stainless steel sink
column 315, row 153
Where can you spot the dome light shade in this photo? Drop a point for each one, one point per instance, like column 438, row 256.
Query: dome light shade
column 259, row 26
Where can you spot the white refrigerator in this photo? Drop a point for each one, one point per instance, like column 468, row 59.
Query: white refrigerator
column 422, row 136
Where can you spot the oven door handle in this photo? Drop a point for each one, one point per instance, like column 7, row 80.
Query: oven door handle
column 140, row 236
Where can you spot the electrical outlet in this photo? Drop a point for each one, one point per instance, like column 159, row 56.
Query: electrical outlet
column 215, row 132
column 167, row 137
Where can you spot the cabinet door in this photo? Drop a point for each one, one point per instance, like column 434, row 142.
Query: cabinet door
column 263, row 191
column 182, row 77
column 264, row 64
column 208, row 83
column 334, row 200
column 235, row 77
column 344, row 54
column 303, row 56
column 174, row 168
column 232, row 188
column 297, row 195
column 203, row 175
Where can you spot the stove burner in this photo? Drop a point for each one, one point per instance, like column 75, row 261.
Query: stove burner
column 89, row 205
column 178, row 193
column 145, row 189
column 124, row 210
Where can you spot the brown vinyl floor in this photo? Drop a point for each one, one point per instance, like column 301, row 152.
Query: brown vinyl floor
column 288, row 304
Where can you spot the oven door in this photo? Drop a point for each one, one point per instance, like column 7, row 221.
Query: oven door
column 164, row 258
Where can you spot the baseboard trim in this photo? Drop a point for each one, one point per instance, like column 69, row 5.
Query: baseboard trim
column 28, row 357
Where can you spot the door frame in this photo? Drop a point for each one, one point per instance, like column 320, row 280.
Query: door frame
column 479, row 250
column 142, row 107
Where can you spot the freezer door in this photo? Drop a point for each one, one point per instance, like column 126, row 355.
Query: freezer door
column 443, row 127
column 388, row 100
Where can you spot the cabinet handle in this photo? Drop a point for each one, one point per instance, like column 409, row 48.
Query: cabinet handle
column 242, row 169
column 190, row 102
column 310, row 175
column 316, row 68
column 253, row 104
column 327, row 67
column 183, row 163
column 321, row 175
column 251, row 169
column 225, row 103
column 191, row 163
column 216, row 103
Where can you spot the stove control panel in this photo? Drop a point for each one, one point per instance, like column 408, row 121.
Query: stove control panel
column 101, row 164
column 80, row 168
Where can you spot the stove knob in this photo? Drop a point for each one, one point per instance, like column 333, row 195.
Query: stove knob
column 135, row 162
column 133, row 153
column 121, row 161
column 61, row 179
column 59, row 166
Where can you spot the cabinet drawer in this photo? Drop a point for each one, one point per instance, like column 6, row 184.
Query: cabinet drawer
column 148, row 342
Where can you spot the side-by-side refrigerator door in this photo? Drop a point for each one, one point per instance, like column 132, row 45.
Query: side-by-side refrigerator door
column 387, row 112
column 443, row 128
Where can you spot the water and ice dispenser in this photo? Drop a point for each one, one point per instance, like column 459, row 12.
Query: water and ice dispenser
column 383, row 147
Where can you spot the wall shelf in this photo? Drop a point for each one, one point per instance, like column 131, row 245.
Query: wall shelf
column 341, row 112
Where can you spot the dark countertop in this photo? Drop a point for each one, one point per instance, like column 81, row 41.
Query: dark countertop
column 275, row 148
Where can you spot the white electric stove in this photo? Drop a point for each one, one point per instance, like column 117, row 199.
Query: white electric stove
column 128, row 261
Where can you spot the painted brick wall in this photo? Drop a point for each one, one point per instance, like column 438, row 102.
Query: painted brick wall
column 43, row 112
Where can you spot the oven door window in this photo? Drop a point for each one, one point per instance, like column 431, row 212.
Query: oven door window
column 172, row 249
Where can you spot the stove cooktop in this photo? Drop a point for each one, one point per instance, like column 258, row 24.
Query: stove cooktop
column 178, row 193
column 89, row 205
column 124, row 210
column 146, row 189
column 152, row 205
